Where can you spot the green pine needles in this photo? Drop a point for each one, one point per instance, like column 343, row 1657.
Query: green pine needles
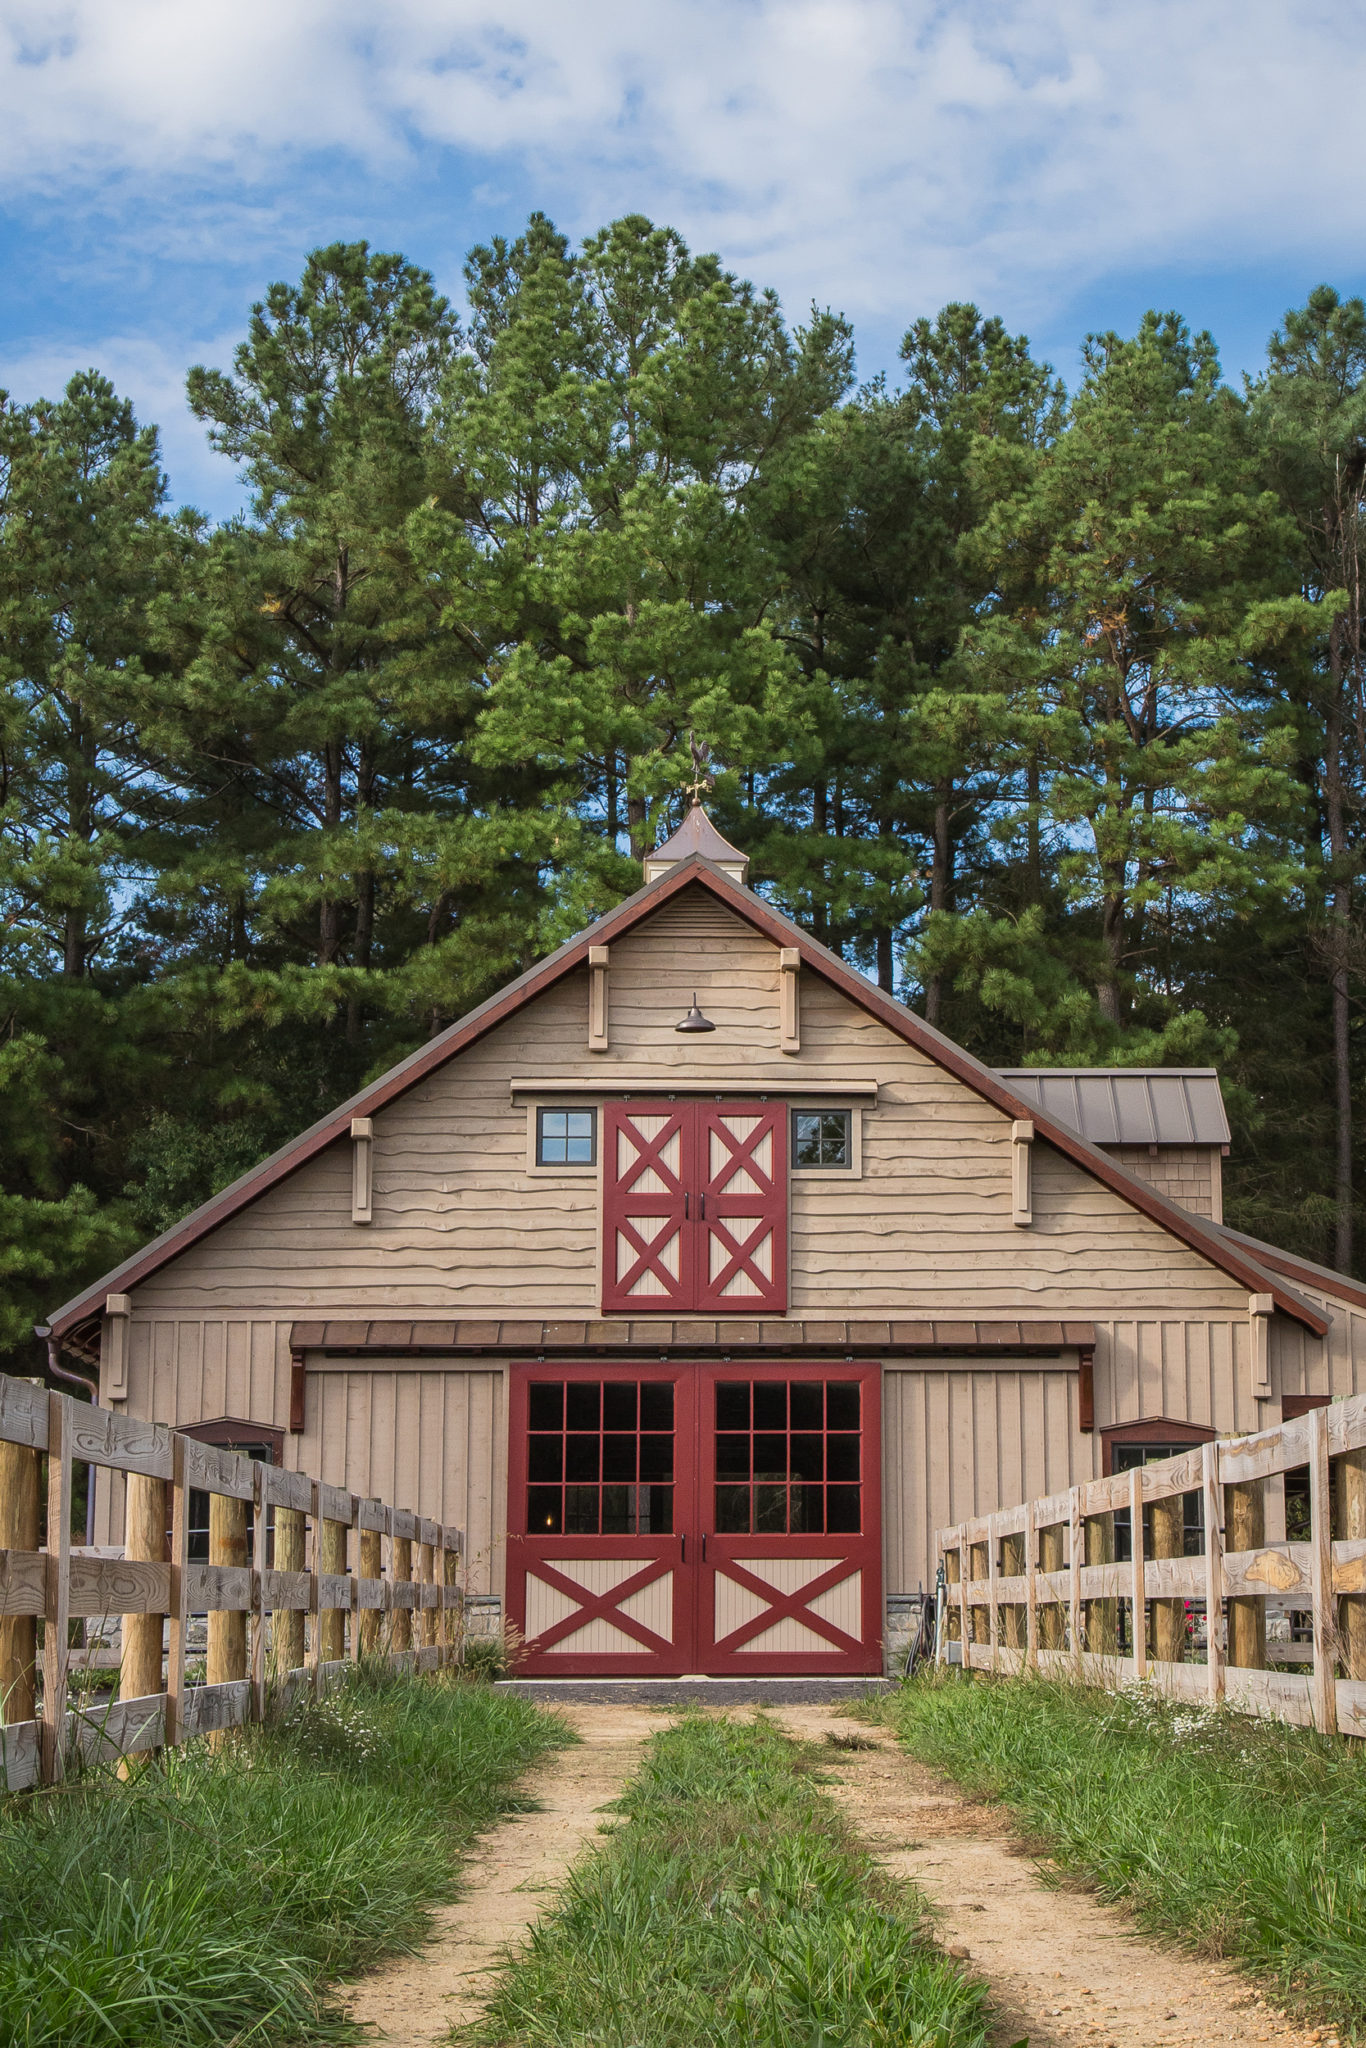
column 732, row 1907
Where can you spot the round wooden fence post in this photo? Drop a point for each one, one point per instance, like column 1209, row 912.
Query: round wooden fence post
column 287, row 1623
column 227, row 1632
column 144, row 1540
column 19, row 1502
column 332, row 1620
column 401, row 1565
column 1051, row 1624
column 1169, row 1616
column 367, row 1621
column 1245, row 1529
column 1102, row 1616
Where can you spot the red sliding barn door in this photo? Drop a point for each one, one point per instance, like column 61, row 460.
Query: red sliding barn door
column 695, row 1206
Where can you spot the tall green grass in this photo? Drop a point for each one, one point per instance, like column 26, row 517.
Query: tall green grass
column 731, row 1909
column 1241, row 1838
column 210, row 1900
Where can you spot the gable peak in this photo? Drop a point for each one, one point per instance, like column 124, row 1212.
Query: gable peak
column 697, row 835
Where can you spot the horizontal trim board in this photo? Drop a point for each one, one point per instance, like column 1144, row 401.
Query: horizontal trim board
column 691, row 1336
column 1000, row 1360
column 746, row 1089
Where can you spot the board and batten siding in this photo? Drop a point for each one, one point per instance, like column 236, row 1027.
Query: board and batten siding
column 461, row 1227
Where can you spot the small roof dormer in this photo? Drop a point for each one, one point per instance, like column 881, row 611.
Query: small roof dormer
column 698, row 835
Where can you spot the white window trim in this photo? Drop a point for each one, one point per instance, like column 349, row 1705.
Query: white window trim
column 854, row 1170
column 569, row 1170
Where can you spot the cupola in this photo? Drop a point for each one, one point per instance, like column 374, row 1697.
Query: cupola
column 697, row 835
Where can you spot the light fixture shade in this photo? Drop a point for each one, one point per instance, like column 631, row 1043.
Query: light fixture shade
column 695, row 1021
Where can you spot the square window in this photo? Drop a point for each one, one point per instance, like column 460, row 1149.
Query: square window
column 822, row 1137
column 566, row 1137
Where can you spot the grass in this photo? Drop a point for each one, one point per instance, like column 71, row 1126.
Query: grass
column 731, row 1907
column 1242, row 1838
column 210, row 1900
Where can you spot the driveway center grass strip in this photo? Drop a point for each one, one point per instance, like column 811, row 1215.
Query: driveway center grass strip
column 1242, row 1838
column 732, row 1907
column 210, row 1900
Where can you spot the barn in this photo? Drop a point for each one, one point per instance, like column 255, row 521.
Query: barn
column 700, row 1282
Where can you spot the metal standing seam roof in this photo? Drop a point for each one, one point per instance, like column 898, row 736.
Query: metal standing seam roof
column 1128, row 1105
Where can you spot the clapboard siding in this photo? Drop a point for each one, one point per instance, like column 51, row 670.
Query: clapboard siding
column 461, row 1227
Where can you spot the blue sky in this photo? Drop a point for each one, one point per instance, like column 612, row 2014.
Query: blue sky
column 1066, row 163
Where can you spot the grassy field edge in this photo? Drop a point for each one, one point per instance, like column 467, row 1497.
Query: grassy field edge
column 1237, row 1838
column 219, row 1895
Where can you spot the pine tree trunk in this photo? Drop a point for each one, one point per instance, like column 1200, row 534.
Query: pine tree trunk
column 329, row 910
column 941, row 894
column 1339, row 915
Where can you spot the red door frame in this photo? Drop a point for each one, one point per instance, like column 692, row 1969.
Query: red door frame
column 694, row 1551
column 657, row 1554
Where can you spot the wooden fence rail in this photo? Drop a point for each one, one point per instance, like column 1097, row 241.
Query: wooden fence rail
column 316, row 1565
column 1040, row 1587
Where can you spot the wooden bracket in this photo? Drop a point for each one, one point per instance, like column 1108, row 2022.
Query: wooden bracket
column 362, row 1169
column 789, row 1020
column 1260, row 1309
column 296, row 1393
column 1086, row 1388
column 118, row 1308
column 598, row 1012
column 1021, row 1176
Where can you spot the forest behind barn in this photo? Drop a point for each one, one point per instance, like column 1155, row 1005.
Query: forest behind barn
column 1043, row 707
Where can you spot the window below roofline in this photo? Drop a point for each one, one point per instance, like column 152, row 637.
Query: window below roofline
column 580, row 1121
column 852, row 1114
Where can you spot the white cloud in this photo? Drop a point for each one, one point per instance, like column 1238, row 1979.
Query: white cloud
column 850, row 147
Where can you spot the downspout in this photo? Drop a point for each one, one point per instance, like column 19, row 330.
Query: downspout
column 75, row 1379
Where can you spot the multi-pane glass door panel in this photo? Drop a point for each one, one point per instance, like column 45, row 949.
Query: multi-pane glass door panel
column 600, row 1458
column 788, row 1457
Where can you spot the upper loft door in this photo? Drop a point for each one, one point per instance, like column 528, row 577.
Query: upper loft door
column 695, row 1207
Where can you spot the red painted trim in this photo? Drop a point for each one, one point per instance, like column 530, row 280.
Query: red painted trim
column 232, row 1430
column 297, row 1388
column 1207, row 1240
column 1156, row 1429
column 1295, row 1405
column 1086, row 1388
column 1309, row 1275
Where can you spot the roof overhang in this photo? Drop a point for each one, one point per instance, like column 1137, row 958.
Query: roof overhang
column 1199, row 1235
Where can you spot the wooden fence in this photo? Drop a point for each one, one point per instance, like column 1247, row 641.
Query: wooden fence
column 326, row 1608
column 1041, row 1587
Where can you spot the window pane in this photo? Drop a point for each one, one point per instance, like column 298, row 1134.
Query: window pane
column 546, row 1404
column 581, row 1457
column 543, row 1509
column 583, row 1405
column 618, row 1511
column 657, row 1405
column 807, row 1458
column 841, row 1405
column 619, row 1404
column 656, row 1457
column 770, row 1457
column 770, row 1510
column 842, row 1509
column 822, row 1137
column 732, row 1510
column 808, row 1510
column 545, row 1457
column 770, row 1404
column 732, row 1457
column 618, row 1457
column 806, row 1138
column 808, row 1404
column 656, row 1510
column 581, row 1510
column 565, row 1137
column 732, row 1404
column 841, row 1457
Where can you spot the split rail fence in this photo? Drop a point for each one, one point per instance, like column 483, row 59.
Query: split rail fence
column 316, row 1567
column 1039, row 1587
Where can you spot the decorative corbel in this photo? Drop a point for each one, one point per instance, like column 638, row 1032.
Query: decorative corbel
column 118, row 1309
column 1086, row 1388
column 296, row 1392
column 362, row 1169
column 598, row 957
column 789, row 1018
column 1260, row 1309
column 1021, row 1175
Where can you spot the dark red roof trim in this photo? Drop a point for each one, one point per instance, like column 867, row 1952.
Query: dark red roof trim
column 1206, row 1239
column 662, row 1334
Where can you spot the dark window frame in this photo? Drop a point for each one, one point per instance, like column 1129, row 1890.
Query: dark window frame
column 567, row 1110
column 800, row 1165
